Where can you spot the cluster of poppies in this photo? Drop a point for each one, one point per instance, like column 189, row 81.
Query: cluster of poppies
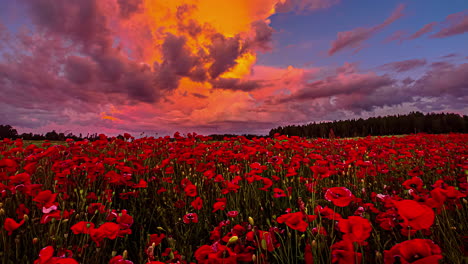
column 189, row 199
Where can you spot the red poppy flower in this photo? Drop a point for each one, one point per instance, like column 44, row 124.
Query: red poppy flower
column 343, row 253
column 219, row 205
column 191, row 218
column 327, row 213
column 294, row 221
column 191, row 190
column 308, row 256
column 124, row 220
column 414, row 183
column 278, row 193
column 156, row 239
column 21, row 211
column 356, row 228
column 197, row 204
column 414, row 215
column 46, row 257
column 11, row 225
column 119, row 260
column 339, row 196
column 232, row 213
column 82, row 227
column 417, row 251
column 45, row 199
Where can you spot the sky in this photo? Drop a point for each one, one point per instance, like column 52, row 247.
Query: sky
column 214, row 67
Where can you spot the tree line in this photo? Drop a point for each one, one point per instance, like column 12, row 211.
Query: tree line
column 414, row 122
column 7, row 131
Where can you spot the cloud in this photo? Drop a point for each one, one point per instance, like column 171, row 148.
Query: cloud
column 341, row 84
column 128, row 7
column 399, row 36
column 454, row 24
column 443, row 79
column 355, row 37
column 160, row 66
column 424, row 30
column 303, row 5
column 236, row 84
column 404, row 66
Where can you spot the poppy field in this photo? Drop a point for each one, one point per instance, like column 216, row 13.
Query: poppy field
column 190, row 199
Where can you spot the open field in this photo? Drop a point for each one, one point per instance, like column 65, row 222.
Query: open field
column 194, row 200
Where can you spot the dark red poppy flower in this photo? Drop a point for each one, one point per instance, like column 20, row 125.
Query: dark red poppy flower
column 339, row 196
column 156, row 239
column 191, row 190
column 278, row 193
column 417, row 251
column 46, row 256
column 356, row 228
column 294, row 221
column 327, row 213
column 219, row 205
column 124, row 220
column 45, row 199
column 96, row 208
column 414, row 215
column 107, row 230
column 11, row 225
column 82, row 227
column 141, row 184
column 191, row 218
column 308, row 256
column 119, row 260
column 21, row 211
column 343, row 253
column 197, row 204
column 414, row 183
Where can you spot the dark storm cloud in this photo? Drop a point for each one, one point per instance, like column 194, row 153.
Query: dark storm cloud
column 235, row 84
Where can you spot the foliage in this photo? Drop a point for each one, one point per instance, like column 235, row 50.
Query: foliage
column 412, row 123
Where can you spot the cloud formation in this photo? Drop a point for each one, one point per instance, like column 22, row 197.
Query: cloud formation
column 161, row 66
column 404, row 66
column 355, row 37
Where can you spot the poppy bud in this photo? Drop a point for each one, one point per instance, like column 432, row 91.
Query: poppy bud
column 378, row 256
column 26, row 217
column 114, row 253
column 314, row 243
column 251, row 221
column 233, row 240
column 35, row 240
column 254, row 257
column 125, row 254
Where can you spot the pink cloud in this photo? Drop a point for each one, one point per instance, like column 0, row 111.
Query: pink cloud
column 425, row 29
column 404, row 66
column 454, row 24
column 355, row 37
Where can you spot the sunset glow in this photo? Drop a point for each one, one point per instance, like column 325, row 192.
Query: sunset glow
column 213, row 66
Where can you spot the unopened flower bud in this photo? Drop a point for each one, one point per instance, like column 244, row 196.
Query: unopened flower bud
column 378, row 256
column 251, row 221
column 125, row 254
column 314, row 243
column 35, row 240
column 233, row 240
column 25, row 217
